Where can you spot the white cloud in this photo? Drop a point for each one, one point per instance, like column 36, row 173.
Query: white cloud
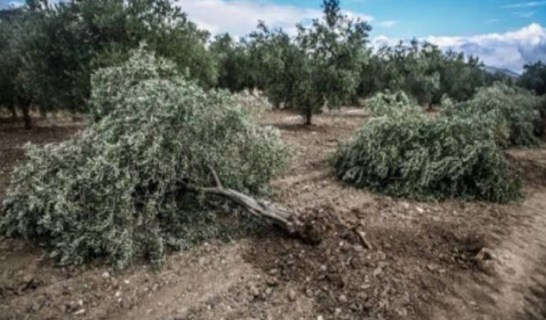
column 509, row 50
column 382, row 41
column 15, row 4
column 526, row 14
column 387, row 23
column 528, row 4
column 240, row 17
column 492, row 21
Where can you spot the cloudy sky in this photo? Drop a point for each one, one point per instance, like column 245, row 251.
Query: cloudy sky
column 503, row 33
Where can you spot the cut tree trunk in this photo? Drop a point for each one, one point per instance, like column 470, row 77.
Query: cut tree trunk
column 272, row 214
column 268, row 212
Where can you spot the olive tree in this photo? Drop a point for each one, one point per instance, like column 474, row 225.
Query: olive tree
column 534, row 78
column 423, row 71
column 275, row 62
column 332, row 57
column 318, row 67
column 56, row 46
column 15, row 27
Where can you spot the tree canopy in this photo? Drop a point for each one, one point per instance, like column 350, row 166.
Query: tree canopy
column 50, row 51
column 423, row 71
column 54, row 48
column 534, row 78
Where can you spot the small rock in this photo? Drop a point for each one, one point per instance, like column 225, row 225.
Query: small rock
column 105, row 275
column 79, row 312
column 272, row 282
column 27, row 278
column 268, row 291
column 254, row 291
column 323, row 268
column 320, row 318
column 358, row 248
column 342, row 299
column 402, row 312
column 377, row 272
column 484, row 254
column 66, row 290
column 420, row 210
column 292, row 295
column 363, row 296
column 431, row 267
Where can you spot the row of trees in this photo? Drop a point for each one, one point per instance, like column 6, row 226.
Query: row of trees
column 48, row 52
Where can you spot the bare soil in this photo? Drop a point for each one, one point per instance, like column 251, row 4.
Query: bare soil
column 380, row 258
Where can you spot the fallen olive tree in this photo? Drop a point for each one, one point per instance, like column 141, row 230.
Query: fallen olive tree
column 159, row 166
column 407, row 153
column 511, row 113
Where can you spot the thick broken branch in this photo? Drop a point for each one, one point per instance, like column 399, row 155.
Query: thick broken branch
column 309, row 228
column 269, row 212
column 216, row 178
column 272, row 214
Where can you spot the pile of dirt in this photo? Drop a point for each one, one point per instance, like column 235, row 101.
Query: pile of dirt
column 347, row 275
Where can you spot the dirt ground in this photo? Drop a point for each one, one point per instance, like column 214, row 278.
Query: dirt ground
column 381, row 258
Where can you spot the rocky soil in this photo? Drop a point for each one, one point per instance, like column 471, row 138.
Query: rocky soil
column 380, row 258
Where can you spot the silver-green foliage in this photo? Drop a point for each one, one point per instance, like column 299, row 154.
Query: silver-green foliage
column 412, row 155
column 253, row 102
column 116, row 190
column 386, row 103
column 508, row 111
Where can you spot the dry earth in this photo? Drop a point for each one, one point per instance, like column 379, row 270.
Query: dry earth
column 448, row 260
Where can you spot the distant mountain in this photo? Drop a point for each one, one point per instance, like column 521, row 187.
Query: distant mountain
column 503, row 71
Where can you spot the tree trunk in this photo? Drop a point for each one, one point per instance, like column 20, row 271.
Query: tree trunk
column 13, row 111
column 26, row 115
column 268, row 212
column 309, row 116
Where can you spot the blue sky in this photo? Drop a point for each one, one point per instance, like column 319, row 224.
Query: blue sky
column 421, row 18
column 503, row 33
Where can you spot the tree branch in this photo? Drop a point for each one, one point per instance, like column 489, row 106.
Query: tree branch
column 269, row 212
